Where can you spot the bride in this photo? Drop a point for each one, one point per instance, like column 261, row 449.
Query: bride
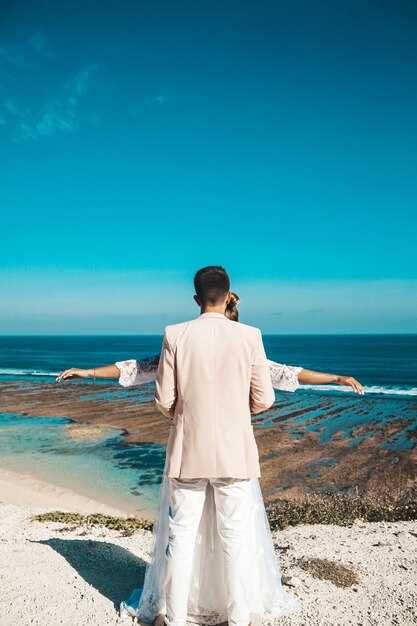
column 207, row 601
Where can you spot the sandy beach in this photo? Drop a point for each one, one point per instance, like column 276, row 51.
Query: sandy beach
column 51, row 574
column 26, row 490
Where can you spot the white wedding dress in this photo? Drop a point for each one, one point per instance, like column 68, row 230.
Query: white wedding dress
column 207, row 602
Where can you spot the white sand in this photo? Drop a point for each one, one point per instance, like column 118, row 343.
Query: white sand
column 50, row 577
column 24, row 489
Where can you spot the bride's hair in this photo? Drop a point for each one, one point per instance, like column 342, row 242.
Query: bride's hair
column 231, row 309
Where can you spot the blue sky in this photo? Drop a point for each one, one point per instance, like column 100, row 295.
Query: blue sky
column 143, row 140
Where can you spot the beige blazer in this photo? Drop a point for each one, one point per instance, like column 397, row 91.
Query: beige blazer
column 213, row 373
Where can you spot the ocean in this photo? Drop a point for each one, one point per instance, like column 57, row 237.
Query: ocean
column 101, row 464
column 383, row 364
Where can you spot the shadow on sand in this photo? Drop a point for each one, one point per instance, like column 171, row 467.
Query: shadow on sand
column 109, row 568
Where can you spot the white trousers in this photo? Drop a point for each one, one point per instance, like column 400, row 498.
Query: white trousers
column 232, row 496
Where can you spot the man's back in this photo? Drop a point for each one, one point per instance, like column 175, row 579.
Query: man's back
column 212, row 375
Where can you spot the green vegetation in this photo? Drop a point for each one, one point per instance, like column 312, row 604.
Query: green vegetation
column 328, row 508
column 339, row 509
column 129, row 525
column 336, row 573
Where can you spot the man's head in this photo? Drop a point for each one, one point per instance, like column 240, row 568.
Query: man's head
column 212, row 287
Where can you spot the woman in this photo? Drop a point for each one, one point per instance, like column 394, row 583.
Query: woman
column 207, row 601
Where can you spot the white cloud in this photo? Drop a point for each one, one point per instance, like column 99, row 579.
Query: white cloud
column 15, row 56
column 21, row 55
column 82, row 80
column 11, row 108
column 59, row 114
column 39, row 43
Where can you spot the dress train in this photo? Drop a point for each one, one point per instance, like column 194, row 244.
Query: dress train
column 207, row 602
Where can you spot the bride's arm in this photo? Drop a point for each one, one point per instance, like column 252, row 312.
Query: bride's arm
column 75, row 373
column 289, row 377
column 310, row 377
column 129, row 372
column 133, row 372
column 284, row 377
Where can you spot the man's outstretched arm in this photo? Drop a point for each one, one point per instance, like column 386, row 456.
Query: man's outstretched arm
column 166, row 380
column 262, row 394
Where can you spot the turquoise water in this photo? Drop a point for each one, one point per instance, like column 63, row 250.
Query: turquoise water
column 328, row 414
column 100, row 465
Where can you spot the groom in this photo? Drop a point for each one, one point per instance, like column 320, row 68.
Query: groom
column 213, row 373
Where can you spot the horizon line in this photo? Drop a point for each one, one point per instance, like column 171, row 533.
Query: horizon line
column 160, row 335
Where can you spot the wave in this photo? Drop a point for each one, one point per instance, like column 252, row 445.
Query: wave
column 27, row 372
column 396, row 391
column 374, row 389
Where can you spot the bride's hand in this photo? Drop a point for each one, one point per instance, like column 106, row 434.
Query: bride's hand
column 72, row 373
column 349, row 381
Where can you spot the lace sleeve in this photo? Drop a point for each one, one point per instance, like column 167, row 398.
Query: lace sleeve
column 284, row 377
column 134, row 372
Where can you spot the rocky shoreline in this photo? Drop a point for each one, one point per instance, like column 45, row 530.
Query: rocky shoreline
column 294, row 460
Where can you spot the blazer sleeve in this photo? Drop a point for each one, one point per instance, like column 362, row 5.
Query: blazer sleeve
column 262, row 394
column 166, row 380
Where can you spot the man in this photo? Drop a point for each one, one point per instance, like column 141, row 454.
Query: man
column 213, row 373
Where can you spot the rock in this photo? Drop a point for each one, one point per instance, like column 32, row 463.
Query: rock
column 291, row 581
column 402, row 534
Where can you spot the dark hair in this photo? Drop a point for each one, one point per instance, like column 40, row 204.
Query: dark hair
column 211, row 284
column 231, row 309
